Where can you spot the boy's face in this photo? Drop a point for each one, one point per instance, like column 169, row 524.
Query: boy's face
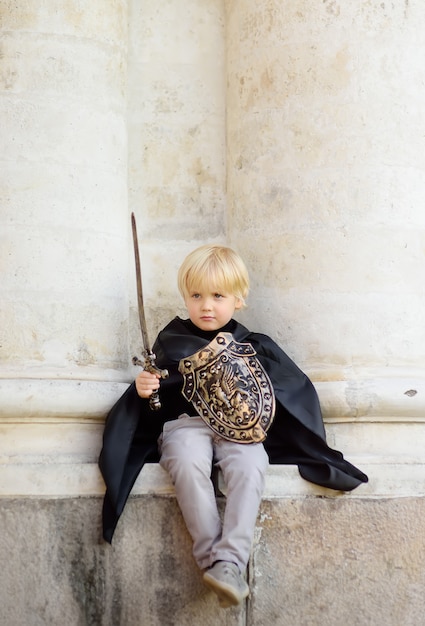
column 211, row 309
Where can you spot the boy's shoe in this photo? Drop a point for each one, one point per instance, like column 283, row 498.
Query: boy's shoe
column 225, row 579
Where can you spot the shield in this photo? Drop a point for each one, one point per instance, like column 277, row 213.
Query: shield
column 230, row 389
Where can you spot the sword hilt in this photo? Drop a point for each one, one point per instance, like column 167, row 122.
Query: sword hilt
column 149, row 366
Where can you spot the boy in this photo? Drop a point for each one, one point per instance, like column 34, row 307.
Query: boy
column 214, row 283
column 233, row 400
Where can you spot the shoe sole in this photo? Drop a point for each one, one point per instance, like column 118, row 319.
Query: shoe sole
column 227, row 595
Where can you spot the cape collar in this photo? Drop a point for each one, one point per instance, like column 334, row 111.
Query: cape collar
column 181, row 338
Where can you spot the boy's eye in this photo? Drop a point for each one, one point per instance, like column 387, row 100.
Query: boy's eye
column 196, row 295
column 218, row 295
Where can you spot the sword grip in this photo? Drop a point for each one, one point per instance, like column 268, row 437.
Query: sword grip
column 149, row 366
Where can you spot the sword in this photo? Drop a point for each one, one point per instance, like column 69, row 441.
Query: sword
column 149, row 357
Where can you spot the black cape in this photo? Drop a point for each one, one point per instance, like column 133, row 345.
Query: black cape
column 297, row 435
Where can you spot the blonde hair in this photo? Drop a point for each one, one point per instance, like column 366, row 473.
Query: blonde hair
column 214, row 266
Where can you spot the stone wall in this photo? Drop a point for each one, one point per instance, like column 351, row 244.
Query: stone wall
column 325, row 188
column 326, row 178
column 316, row 561
column 177, row 141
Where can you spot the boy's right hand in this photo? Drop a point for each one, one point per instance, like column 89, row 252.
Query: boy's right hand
column 146, row 383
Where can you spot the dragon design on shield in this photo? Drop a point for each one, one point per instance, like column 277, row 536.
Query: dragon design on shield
column 230, row 389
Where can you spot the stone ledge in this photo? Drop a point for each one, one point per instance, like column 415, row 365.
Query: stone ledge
column 70, row 480
column 373, row 395
column 28, row 398
column 61, row 441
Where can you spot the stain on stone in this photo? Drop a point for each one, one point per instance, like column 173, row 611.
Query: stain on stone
column 410, row 393
column 84, row 563
column 83, row 356
column 202, row 174
column 406, row 7
column 332, row 7
column 267, row 79
column 167, row 565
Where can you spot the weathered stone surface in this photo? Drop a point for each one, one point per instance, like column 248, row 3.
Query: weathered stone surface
column 326, row 561
column 57, row 570
column 316, row 562
column 326, row 177
column 63, row 189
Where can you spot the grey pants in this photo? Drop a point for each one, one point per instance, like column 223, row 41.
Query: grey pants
column 188, row 450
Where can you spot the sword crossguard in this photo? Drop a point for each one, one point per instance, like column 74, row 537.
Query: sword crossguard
column 149, row 366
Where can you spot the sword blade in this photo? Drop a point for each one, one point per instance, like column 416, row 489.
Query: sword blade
column 140, row 305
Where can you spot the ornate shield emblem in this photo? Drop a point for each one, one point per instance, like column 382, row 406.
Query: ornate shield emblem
column 229, row 389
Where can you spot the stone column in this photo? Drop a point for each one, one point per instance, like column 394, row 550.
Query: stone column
column 177, row 140
column 326, row 189
column 64, row 237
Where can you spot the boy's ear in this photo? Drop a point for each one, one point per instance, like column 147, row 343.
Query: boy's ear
column 239, row 304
